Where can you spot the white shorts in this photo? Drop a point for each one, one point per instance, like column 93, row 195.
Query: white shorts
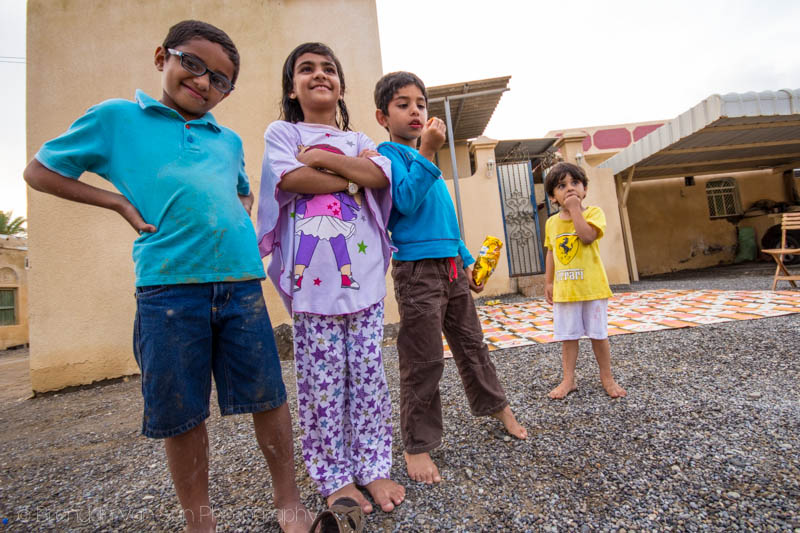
column 573, row 320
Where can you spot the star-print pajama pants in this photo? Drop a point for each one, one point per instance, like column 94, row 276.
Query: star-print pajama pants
column 343, row 401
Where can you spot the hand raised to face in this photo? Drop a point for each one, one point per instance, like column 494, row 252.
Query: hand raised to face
column 433, row 137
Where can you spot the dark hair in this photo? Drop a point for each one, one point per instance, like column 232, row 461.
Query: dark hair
column 186, row 30
column 290, row 108
column 390, row 83
column 557, row 173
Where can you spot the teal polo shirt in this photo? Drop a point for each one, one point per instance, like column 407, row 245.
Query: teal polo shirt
column 183, row 177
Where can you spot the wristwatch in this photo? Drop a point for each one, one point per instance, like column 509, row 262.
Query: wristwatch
column 352, row 188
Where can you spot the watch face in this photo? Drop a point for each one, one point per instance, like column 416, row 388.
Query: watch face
column 352, row 187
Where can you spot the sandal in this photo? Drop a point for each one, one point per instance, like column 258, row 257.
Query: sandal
column 344, row 516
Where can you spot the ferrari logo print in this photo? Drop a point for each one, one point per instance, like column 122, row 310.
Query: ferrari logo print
column 566, row 247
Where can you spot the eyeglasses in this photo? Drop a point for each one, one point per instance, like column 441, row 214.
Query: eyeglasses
column 196, row 67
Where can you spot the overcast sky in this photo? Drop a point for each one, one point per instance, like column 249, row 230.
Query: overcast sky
column 596, row 63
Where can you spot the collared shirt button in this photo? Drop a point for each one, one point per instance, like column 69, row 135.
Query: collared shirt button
column 190, row 139
column 188, row 127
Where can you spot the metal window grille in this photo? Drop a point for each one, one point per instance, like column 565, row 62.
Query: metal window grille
column 8, row 307
column 723, row 198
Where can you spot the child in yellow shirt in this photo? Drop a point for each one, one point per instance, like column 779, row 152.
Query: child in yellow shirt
column 576, row 282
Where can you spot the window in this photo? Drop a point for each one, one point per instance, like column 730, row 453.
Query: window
column 8, row 308
column 723, row 198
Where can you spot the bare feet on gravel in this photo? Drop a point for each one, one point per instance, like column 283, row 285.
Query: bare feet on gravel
column 614, row 390
column 294, row 519
column 386, row 493
column 207, row 528
column 421, row 467
column 510, row 422
column 350, row 491
column 563, row 389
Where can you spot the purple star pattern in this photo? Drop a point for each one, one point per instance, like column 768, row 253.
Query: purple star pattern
column 344, row 407
column 303, row 388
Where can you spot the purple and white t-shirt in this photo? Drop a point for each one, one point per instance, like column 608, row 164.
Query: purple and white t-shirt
column 330, row 252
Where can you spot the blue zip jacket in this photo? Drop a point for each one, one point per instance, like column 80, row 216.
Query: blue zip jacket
column 423, row 221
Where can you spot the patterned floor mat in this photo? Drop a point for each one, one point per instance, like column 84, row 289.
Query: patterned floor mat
column 531, row 322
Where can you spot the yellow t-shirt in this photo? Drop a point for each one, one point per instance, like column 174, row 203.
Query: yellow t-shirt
column 579, row 273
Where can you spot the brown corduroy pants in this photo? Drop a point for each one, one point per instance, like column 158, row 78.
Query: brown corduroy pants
column 433, row 296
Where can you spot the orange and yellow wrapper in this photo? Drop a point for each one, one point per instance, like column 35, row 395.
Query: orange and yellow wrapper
column 487, row 259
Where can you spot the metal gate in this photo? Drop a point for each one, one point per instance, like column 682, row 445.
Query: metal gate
column 520, row 219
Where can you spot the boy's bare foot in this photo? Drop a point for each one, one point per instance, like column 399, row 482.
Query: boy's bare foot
column 294, row 519
column 386, row 493
column 351, row 491
column 207, row 528
column 563, row 389
column 614, row 390
column 510, row 422
column 421, row 467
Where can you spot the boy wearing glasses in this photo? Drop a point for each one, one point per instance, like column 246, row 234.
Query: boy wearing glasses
column 200, row 310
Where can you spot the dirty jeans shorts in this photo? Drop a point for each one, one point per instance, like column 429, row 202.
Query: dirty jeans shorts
column 184, row 333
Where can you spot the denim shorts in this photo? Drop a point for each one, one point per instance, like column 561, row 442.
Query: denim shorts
column 184, row 333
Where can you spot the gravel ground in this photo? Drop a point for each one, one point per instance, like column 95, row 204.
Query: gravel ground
column 707, row 440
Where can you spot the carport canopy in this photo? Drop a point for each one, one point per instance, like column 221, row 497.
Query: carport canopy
column 732, row 132
column 523, row 149
column 472, row 104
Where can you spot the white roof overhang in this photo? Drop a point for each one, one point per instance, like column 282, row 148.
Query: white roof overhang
column 733, row 132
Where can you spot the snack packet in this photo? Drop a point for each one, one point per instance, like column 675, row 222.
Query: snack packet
column 487, row 258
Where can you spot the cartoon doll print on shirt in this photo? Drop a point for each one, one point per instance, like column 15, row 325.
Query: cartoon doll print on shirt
column 326, row 217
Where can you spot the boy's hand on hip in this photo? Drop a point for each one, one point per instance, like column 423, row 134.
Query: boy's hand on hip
column 433, row 137
column 134, row 218
column 247, row 202
column 474, row 287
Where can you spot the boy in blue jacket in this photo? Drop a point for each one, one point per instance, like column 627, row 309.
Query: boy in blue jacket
column 432, row 278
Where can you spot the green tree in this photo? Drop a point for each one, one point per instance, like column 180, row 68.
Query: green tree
column 10, row 225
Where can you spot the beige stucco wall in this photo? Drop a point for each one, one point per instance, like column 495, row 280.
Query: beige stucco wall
column 480, row 207
column 671, row 226
column 81, row 52
column 13, row 275
column 445, row 163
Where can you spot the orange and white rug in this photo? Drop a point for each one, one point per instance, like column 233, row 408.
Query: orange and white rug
column 531, row 322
